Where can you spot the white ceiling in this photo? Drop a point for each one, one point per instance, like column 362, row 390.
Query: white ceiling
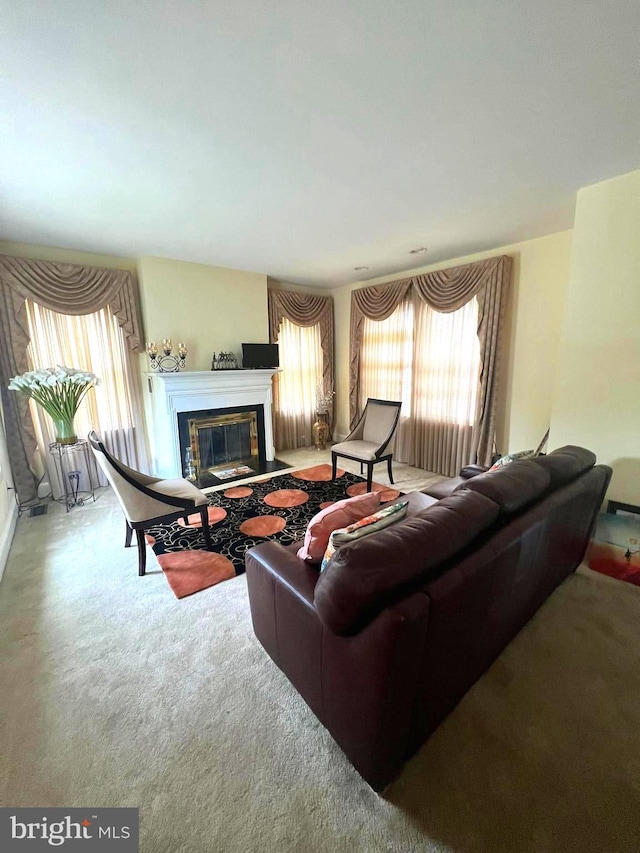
column 302, row 139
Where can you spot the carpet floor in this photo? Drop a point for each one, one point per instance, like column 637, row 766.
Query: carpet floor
column 116, row 694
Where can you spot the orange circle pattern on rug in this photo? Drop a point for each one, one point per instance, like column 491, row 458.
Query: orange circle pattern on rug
column 238, row 492
column 215, row 514
column 192, row 571
column 325, row 504
column 286, row 498
column 151, row 540
column 263, row 525
column 386, row 494
column 317, row 473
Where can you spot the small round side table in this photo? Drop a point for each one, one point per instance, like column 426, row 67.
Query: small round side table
column 68, row 476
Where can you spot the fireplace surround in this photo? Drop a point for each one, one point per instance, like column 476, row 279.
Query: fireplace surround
column 225, row 391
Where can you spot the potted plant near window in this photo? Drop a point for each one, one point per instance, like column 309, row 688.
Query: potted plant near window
column 59, row 390
column 321, row 429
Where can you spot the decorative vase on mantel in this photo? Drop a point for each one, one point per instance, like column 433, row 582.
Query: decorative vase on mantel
column 320, row 430
column 65, row 431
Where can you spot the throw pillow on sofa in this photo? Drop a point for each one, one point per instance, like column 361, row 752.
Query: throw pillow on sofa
column 338, row 515
column 378, row 521
column 512, row 457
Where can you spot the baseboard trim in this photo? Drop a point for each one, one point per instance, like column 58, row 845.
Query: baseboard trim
column 6, row 537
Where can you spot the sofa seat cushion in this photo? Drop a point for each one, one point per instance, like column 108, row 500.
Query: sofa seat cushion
column 361, row 577
column 566, row 464
column 365, row 450
column 512, row 487
column 179, row 488
column 340, row 514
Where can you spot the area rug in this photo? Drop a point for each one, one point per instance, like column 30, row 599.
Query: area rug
column 272, row 508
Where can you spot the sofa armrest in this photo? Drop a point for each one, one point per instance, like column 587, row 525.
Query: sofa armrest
column 361, row 687
column 285, row 567
column 470, row 471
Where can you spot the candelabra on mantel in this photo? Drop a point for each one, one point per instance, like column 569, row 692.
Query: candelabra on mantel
column 166, row 363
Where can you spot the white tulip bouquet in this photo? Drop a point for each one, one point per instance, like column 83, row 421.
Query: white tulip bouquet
column 59, row 390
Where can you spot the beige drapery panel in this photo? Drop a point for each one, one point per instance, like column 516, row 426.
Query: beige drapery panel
column 95, row 343
column 64, row 288
column 301, row 309
column 445, row 291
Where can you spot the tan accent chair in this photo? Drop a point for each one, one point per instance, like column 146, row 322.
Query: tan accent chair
column 147, row 500
column 371, row 440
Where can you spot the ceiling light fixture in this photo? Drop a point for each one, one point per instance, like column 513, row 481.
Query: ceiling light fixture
column 419, row 251
column 358, row 269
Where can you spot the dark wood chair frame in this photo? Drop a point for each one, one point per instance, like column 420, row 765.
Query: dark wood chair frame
column 380, row 456
column 184, row 508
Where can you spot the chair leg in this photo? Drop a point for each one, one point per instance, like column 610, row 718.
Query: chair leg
column 129, row 534
column 334, row 465
column 369, row 475
column 186, row 518
column 361, row 468
column 142, row 552
column 389, row 470
column 204, row 517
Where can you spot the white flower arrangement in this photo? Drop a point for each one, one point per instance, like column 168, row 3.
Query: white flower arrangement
column 323, row 398
column 59, row 390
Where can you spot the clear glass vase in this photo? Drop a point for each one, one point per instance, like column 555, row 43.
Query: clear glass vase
column 65, row 431
column 190, row 472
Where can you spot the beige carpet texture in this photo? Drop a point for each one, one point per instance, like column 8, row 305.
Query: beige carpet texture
column 115, row 693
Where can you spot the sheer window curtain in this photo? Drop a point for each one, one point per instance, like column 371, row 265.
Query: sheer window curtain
column 386, row 365
column 446, row 374
column 93, row 342
column 431, row 361
column 295, row 387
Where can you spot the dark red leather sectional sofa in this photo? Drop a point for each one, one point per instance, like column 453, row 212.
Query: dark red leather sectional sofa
column 386, row 641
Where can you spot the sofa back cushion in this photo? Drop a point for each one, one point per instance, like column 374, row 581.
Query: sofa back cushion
column 361, row 577
column 566, row 464
column 512, row 487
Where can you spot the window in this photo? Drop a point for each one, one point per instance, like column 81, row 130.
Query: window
column 92, row 342
column 447, row 365
column 431, row 362
column 387, row 357
column 297, row 383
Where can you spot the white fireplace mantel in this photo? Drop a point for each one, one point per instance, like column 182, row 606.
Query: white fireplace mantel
column 197, row 390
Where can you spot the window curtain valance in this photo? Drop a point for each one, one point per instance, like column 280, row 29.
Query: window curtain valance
column 65, row 289
column 303, row 309
column 444, row 291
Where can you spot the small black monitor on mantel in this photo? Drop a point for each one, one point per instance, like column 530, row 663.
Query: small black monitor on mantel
column 260, row 355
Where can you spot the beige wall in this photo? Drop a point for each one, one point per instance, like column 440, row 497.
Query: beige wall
column 211, row 309
column 597, row 396
column 531, row 337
